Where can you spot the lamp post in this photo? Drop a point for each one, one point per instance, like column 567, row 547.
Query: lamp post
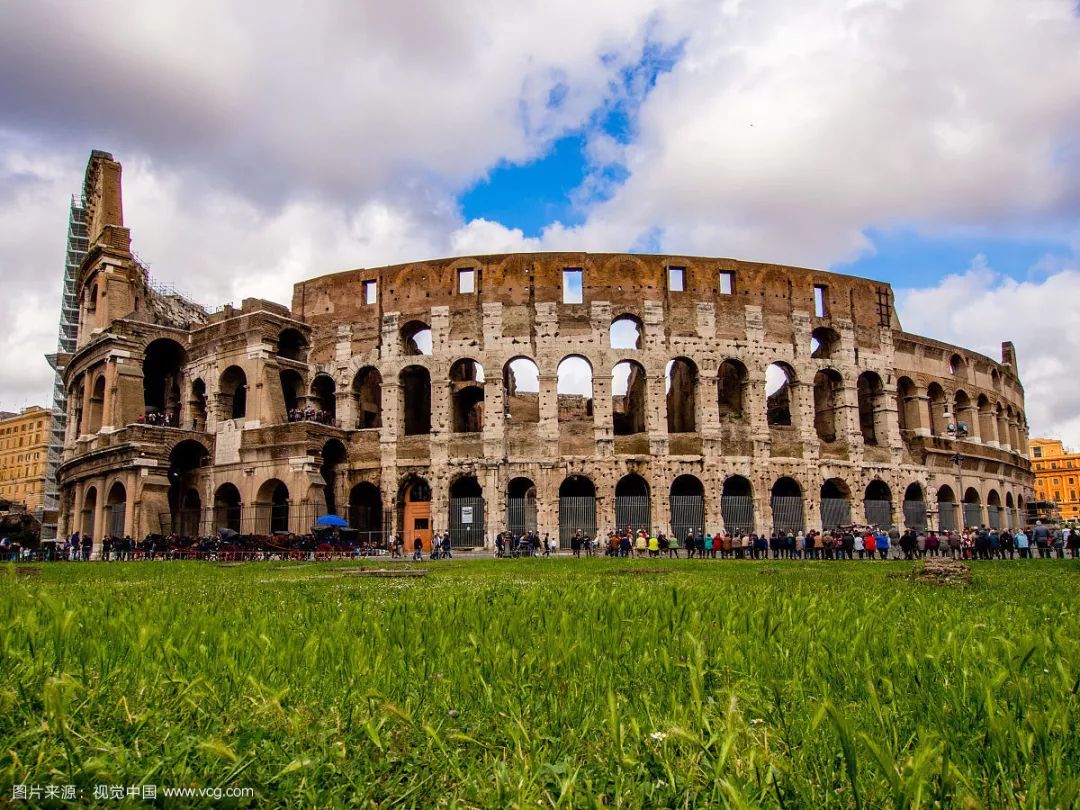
column 957, row 430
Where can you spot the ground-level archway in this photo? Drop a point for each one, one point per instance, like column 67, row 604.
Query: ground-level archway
column 227, row 508
column 835, row 504
column 466, row 512
column 577, row 508
column 632, row 510
column 972, row 508
column 521, row 506
column 948, row 518
column 687, row 503
column 115, row 508
column 272, row 508
column 414, row 512
column 737, row 505
column 366, row 512
column 787, row 506
column 877, row 504
column 915, row 507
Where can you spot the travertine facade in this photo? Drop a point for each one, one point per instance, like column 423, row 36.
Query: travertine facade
column 451, row 398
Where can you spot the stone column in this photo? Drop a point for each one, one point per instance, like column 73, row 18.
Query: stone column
column 75, row 524
column 549, row 414
column 99, row 512
column 129, row 504
column 108, row 418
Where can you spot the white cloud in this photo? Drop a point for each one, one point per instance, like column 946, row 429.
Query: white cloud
column 980, row 308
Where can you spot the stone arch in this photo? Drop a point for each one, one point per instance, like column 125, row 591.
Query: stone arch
column 233, row 388
column 780, row 381
column 828, row 403
column 521, row 506
column 324, row 392
column 626, row 332
column 521, row 390
column 197, row 405
column 732, row 380
column 938, row 409
column 958, row 366
column 681, row 382
column 115, row 510
column 577, row 508
column 835, row 504
column 366, row 512
column 629, row 398
column 993, row 509
column 962, row 414
column 687, row 505
column 786, row 500
column 414, row 511
column 415, row 382
column 367, row 388
column 96, row 415
column 871, row 395
column 416, row 339
column 914, row 507
column 467, row 396
column 632, row 503
column 89, row 508
column 737, row 504
column 877, row 504
column 228, row 507
column 163, row 364
column 334, row 455
column 824, row 343
column 972, row 508
column 292, row 345
column 987, row 423
column 907, row 406
column 948, row 519
column 466, row 511
column 272, row 506
column 185, row 504
column 574, row 389
column 292, row 391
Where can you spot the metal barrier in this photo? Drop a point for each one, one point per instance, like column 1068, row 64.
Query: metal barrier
column 787, row 511
column 578, row 512
column 738, row 513
column 835, row 512
column 687, row 515
column 915, row 515
column 879, row 513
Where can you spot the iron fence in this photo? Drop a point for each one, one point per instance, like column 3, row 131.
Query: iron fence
column 879, row 513
column 687, row 515
column 787, row 511
column 575, row 513
column 835, row 512
column 467, row 522
column 972, row 515
column 632, row 511
column 915, row 515
column 947, row 516
column 738, row 513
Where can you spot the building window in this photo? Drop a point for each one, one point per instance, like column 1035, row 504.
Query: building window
column 371, row 291
column 727, row 283
column 676, row 279
column 820, row 291
column 466, row 281
column 572, row 288
column 1038, row 452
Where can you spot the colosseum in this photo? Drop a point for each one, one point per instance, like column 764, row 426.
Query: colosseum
column 555, row 391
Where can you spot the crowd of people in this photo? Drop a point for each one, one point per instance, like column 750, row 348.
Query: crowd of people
column 158, row 419
column 845, row 543
column 310, row 414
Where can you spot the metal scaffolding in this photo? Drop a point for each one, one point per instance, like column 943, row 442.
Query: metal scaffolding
column 77, row 245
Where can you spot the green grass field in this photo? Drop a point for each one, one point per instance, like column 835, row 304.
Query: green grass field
column 501, row 683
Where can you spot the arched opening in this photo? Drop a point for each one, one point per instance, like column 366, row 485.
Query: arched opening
column 272, row 507
column 995, row 379
column 938, row 408
column 292, row 390
column 1022, row 510
column 115, row 507
column 632, row 510
column 324, row 392
column 227, row 508
column 824, row 343
column 521, row 506
column 333, row 455
column 97, row 405
column 958, row 366
column 871, row 393
column 1002, row 427
column 907, row 406
column 779, row 388
column 163, row 363
column 877, row 503
column 415, row 382
column 828, row 402
column 466, row 512
column 233, row 393
column 89, row 507
column 367, row 388
column 197, row 405
column 1014, row 430
column 185, row 504
column 574, row 389
column 915, row 507
column 993, row 510
column 416, row 339
column 628, row 398
column 366, row 512
column 737, row 505
column 467, row 396
column 75, row 397
column 731, row 381
column 414, row 512
column 948, row 520
column 972, row 508
column 626, row 332
column 1010, row 512
column 91, row 305
column 835, row 504
column 962, row 412
column 787, row 506
column 521, row 391
column 687, row 502
column 577, row 508
column 681, row 378
column 987, row 423
column 292, row 345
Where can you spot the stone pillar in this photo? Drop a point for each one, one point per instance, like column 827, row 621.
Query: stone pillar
column 99, row 511
column 108, row 418
column 549, row 413
column 130, row 483
column 495, row 504
column 76, row 522
column 1003, row 432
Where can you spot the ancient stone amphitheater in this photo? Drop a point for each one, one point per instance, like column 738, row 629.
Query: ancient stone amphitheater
column 556, row 391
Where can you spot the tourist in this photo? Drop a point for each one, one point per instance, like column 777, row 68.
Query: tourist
column 1041, row 535
column 870, row 542
column 859, row 544
column 418, row 549
column 1021, row 541
column 654, row 545
column 1059, row 542
column 1073, row 543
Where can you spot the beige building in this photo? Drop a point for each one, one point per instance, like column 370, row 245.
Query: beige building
column 24, row 451
column 1057, row 476
column 560, row 391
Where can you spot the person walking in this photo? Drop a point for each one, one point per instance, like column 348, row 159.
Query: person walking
column 1041, row 535
column 418, row 549
column 1021, row 541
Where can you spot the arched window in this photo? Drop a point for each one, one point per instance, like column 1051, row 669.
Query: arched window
column 628, row 398
column 233, row 388
column 938, row 409
column 521, row 390
column 97, row 404
column 907, row 406
column 324, row 392
column 292, row 390
column 731, row 381
column 163, row 363
column 871, row 408
column 333, row 456
column 467, row 396
column 824, row 343
column 415, row 382
column 779, row 385
column 681, row 377
column 828, row 404
column 416, row 339
column 625, row 332
column 574, row 388
column 292, row 345
column 367, row 388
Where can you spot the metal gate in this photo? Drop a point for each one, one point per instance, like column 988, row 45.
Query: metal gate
column 915, row 515
column 738, row 513
column 520, row 515
column 577, row 512
column 993, row 517
column 632, row 511
column 835, row 512
column 687, row 514
column 787, row 513
column 879, row 513
column 466, row 522
column 114, row 520
column 972, row 515
column 947, row 516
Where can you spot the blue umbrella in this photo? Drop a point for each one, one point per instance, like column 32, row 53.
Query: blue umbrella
column 331, row 520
